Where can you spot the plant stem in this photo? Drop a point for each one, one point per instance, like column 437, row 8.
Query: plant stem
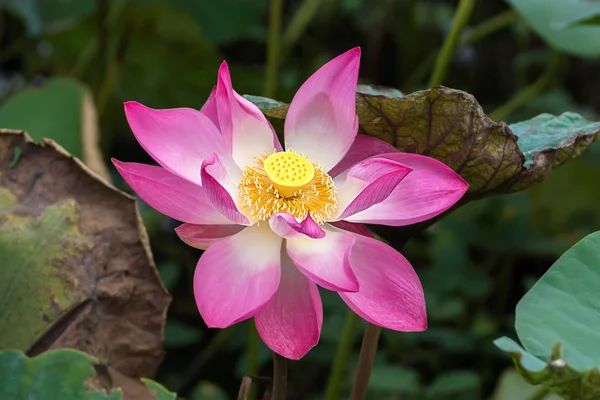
column 531, row 91
column 485, row 28
column 341, row 356
column 539, row 394
column 280, row 377
column 102, row 20
column 86, row 57
column 245, row 388
column 252, row 351
column 489, row 26
column 298, row 24
column 366, row 357
column 461, row 16
column 273, row 48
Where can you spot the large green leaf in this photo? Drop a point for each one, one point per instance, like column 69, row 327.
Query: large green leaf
column 57, row 374
column 562, row 312
column 62, row 110
column 76, row 268
column 555, row 21
column 52, row 111
column 67, row 374
column 555, row 373
column 450, row 125
column 563, row 307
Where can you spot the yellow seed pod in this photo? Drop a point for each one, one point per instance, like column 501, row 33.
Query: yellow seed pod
column 289, row 172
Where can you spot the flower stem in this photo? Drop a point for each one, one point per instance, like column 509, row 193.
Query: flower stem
column 531, row 91
column 273, row 48
column 280, row 377
column 485, row 28
column 490, row 26
column 461, row 16
column 252, row 351
column 298, row 24
column 366, row 357
column 341, row 356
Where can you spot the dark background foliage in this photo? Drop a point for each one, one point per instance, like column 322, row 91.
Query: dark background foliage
column 475, row 265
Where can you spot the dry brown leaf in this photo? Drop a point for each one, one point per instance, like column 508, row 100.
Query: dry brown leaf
column 101, row 293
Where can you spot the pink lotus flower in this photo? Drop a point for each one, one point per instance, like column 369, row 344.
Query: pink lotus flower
column 275, row 224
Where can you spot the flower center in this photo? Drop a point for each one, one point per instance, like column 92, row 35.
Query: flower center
column 289, row 172
column 286, row 182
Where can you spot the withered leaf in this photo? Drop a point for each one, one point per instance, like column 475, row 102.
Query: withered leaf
column 76, row 269
column 450, row 125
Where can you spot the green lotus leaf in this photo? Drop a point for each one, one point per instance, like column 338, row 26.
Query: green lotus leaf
column 565, row 24
column 557, row 322
column 57, row 374
column 555, row 373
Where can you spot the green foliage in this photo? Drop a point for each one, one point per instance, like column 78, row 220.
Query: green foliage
column 170, row 272
column 394, row 379
column 53, row 111
column 557, row 23
column 160, row 391
column 177, row 43
column 180, row 334
column 57, row 374
column 455, row 385
column 545, row 320
column 547, row 132
column 556, row 374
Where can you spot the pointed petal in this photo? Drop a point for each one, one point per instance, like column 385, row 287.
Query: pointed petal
column 362, row 148
column 237, row 276
column 367, row 183
column 244, row 127
column 325, row 261
column 178, row 139
column 216, row 184
column 430, row 189
column 210, row 107
column 390, row 293
column 290, row 324
column 286, row 226
column 202, row 236
column 321, row 121
column 170, row 194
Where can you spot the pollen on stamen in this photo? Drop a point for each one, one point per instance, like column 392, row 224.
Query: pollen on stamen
column 261, row 198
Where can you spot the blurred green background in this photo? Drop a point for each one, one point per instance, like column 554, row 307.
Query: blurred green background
column 61, row 60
